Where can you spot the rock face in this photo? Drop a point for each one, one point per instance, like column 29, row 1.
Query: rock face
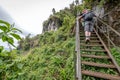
column 110, row 13
column 114, row 22
column 99, row 11
column 52, row 26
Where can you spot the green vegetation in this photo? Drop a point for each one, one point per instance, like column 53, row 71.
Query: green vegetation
column 46, row 63
column 48, row 56
column 116, row 55
column 8, row 32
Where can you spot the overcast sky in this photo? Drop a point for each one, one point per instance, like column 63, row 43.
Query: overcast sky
column 31, row 13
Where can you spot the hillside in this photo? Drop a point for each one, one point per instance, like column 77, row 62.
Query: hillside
column 45, row 56
column 51, row 55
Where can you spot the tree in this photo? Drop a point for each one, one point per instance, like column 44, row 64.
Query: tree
column 53, row 10
column 72, row 5
column 77, row 2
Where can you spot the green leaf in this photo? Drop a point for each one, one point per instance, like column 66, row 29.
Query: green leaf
column 1, row 48
column 4, row 38
column 21, row 73
column 13, row 45
column 20, row 65
column 10, row 40
column 9, row 65
column 6, row 23
column 1, row 34
column 15, row 29
column 16, row 36
column 1, row 62
column 3, row 54
column 3, row 28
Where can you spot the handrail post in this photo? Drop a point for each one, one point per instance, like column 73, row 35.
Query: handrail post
column 78, row 57
column 108, row 38
column 96, row 23
column 109, row 28
column 112, row 29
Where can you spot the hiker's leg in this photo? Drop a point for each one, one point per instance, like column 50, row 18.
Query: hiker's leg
column 90, row 28
column 89, row 34
column 86, row 29
column 86, row 35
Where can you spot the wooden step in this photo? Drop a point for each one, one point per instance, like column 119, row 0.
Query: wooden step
column 84, row 32
column 89, row 50
column 90, row 45
column 100, row 75
column 85, row 36
column 91, row 41
column 91, row 38
column 98, row 64
column 95, row 56
column 93, row 35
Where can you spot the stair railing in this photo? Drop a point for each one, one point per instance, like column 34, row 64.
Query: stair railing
column 107, row 36
column 78, row 75
column 107, row 33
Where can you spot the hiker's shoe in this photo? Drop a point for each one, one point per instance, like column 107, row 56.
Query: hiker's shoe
column 87, row 41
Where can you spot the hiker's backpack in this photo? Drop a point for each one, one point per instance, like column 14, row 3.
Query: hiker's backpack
column 88, row 16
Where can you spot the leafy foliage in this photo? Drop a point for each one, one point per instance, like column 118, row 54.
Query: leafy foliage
column 51, row 59
column 8, row 32
column 116, row 55
column 48, row 56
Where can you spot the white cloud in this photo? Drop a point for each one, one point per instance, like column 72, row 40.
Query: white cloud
column 31, row 13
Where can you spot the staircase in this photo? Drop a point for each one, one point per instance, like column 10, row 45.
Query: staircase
column 97, row 63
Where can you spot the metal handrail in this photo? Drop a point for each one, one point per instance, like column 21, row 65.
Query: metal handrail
column 109, row 27
column 109, row 53
column 78, row 57
column 109, row 40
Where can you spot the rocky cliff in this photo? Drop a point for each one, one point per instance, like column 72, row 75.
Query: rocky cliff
column 110, row 13
column 52, row 24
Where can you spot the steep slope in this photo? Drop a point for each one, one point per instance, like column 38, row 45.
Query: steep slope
column 48, row 56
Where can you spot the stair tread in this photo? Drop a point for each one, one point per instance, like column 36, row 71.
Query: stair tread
column 98, row 64
column 95, row 56
column 90, row 37
column 84, row 32
column 91, row 34
column 93, row 50
column 100, row 75
column 93, row 41
column 92, row 45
